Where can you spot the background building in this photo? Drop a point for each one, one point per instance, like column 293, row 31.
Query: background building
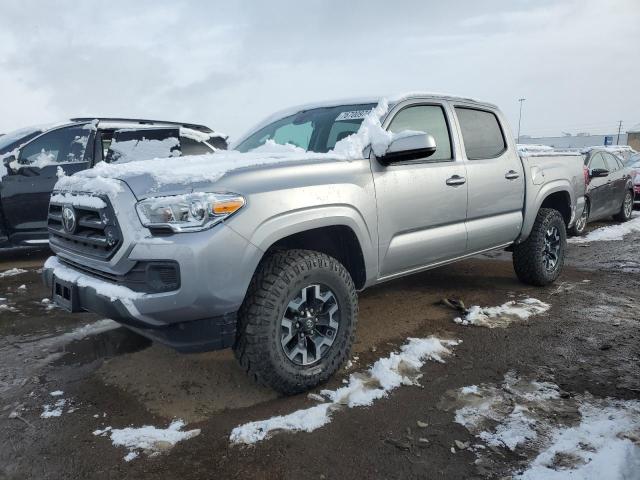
column 584, row 140
column 633, row 139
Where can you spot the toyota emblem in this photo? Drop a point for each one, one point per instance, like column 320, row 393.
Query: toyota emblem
column 69, row 219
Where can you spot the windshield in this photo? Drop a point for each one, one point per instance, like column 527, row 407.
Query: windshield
column 315, row 130
column 16, row 138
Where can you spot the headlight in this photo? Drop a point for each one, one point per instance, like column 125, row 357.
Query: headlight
column 188, row 213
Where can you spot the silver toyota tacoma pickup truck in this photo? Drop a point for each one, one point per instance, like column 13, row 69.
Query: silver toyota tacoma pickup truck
column 264, row 248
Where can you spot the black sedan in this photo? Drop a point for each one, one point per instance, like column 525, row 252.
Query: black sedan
column 609, row 189
column 32, row 158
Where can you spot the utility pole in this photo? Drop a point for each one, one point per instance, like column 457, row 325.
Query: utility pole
column 521, row 100
column 619, row 130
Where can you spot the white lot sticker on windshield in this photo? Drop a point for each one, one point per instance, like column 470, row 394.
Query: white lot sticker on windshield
column 353, row 115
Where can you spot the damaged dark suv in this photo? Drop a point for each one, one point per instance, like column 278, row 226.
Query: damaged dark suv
column 32, row 159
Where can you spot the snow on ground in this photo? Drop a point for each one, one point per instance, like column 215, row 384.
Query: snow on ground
column 148, row 439
column 5, row 307
column 11, row 272
column 565, row 437
column 53, row 410
column 503, row 315
column 94, row 328
column 362, row 388
column 611, row 232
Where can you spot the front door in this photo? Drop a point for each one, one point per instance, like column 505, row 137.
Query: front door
column 26, row 188
column 421, row 203
column 599, row 188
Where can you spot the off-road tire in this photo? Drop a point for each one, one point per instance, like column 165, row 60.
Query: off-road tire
column 574, row 231
column 528, row 256
column 624, row 215
column 258, row 349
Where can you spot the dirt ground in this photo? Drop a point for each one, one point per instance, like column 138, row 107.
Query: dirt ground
column 589, row 341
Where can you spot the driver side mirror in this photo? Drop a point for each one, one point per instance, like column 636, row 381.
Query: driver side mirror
column 410, row 146
column 599, row 173
column 7, row 161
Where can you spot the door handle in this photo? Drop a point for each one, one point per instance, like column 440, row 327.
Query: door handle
column 455, row 180
column 511, row 175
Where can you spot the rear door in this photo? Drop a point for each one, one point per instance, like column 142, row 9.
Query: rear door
column 495, row 177
column 27, row 187
column 618, row 176
column 598, row 191
column 128, row 145
column 421, row 203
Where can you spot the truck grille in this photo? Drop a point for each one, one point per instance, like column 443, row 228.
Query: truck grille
column 94, row 233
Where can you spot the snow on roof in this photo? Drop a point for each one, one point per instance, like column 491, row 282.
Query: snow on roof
column 634, row 129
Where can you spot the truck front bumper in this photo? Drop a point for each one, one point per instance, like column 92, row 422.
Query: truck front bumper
column 215, row 269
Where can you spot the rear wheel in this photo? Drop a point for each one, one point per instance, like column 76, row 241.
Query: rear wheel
column 297, row 323
column 581, row 223
column 539, row 259
column 626, row 209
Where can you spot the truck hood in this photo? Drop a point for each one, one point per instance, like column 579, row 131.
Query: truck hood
column 179, row 175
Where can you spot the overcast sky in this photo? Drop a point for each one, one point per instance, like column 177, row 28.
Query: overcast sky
column 229, row 64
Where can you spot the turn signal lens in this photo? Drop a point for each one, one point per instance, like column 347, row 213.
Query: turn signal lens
column 227, row 207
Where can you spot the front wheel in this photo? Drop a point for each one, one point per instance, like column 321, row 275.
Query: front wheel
column 539, row 259
column 581, row 223
column 297, row 323
column 626, row 209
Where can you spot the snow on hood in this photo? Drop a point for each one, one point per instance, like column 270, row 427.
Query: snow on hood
column 104, row 177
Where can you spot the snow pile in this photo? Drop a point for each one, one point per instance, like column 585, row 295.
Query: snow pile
column 106, row 289
column 78, row 200
column 11, row 272
column 605, row 444
column 370, row 133
column 148, row 439
column 503, row 315
column 578, row 437
column 386, row 374
column 612, row 232
column 54, row 410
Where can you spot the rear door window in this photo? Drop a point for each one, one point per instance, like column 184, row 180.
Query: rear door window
column 190, row 146
column 612, row 162
column 481, row 133
column 144, row 144
column 429, row 119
